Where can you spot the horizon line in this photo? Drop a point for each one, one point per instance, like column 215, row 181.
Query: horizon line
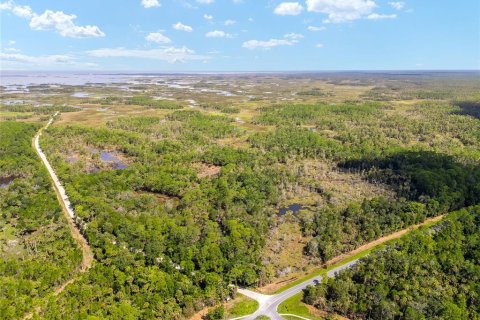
column 240, row 71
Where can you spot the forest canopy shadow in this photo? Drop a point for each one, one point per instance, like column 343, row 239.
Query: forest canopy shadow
column 423, row 175
column 468, row 108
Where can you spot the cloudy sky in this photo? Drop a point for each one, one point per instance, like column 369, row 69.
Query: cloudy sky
column 239, row 35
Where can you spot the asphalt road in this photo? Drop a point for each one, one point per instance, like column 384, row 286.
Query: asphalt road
column 268, row 304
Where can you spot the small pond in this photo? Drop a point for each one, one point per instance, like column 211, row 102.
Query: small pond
column 295, row 208
column 6, row 181
column 110, row 157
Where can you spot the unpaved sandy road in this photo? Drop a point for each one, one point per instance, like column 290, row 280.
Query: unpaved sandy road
column 87, row 255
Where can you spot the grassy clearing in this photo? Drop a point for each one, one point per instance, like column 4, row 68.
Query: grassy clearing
column 238, row 307
column 242, row 306
column 294, row 305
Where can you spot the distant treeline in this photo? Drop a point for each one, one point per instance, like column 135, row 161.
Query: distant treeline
column 46, row 109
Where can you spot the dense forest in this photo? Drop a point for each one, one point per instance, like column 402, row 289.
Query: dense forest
column 433, row 273
column 427, row 184
column 37, row 252
column 180, row 204
column 174, row 259
column 213, row 233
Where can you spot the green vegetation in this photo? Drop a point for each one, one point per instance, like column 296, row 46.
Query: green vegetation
column 150, row 102
column 366, row 130
column 175, row 259
column 432, row 273
column 217, row 230
column 197, row 203
column 47, row 109
column 295, row 141
column 432, row 184
column 313, row 92
column 323, row 271
column 243, row 307
column 37, row 252
column 294, row 305
column 222, row 108
column 215, row 314
column 427, row 183
column 316, row 114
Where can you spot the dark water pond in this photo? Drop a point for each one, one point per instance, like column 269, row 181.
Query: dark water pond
column 6, row 181
column 106, row 156
column 295, row 208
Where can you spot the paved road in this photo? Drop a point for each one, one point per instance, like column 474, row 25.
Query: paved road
column 268, row 304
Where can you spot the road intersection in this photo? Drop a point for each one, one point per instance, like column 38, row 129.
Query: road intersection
column 268, row 304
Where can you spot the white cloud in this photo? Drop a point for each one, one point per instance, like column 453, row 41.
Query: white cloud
column 169, row 54
column 64, row 25
column 205, row 1
column 19, row 61
column 255, row 44
column 397, row 5
column 150, row 3
column 6, row 5
column 17, row 57
column 11, row 42
column 182, row 27
column 157, row 37
column 251, row 19
column 208, row 16
column 288, row 9
column 314, row 29
column 319, row 45
column 59, row 21
column 293, row 35
column 217, row 34
column 20, row 11
column 376, row 16
column 23, row 11
column 229, row 22
column 341, row 10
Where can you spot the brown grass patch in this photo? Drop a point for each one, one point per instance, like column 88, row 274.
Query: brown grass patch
column 206, row 170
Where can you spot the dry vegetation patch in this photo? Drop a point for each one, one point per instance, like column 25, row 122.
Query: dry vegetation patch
column 337, row 186
column 284, row 254
column 206, row 170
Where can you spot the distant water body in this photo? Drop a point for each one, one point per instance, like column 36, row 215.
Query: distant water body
column 32, row 78
column 60, row 78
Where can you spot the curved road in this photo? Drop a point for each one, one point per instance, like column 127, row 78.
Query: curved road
column 268, row 304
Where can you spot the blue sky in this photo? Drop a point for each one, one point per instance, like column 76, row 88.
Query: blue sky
column 239, row 35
